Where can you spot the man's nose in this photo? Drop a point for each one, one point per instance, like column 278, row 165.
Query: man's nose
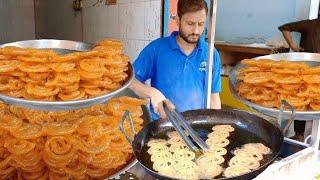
column 196, row 29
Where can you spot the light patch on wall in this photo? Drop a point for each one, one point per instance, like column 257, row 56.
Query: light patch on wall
column 111, row 2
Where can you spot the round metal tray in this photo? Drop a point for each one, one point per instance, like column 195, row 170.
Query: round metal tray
column 312, row 59
column 62, row 47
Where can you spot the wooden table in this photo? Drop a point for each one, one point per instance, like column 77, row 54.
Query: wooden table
column 231, row 53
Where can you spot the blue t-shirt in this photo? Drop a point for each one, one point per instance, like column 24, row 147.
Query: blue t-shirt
column 179, row 77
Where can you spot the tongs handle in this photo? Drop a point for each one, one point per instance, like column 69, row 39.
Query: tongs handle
column 126, row 115
column 293, row 112
column 179, row 129
column 191, row 131
column 182, row 126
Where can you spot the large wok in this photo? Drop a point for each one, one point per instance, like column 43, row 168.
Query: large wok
column 249, row 128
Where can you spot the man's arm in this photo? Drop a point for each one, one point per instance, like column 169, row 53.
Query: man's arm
column 286, row 29
column 156, row 97
column 215, row 102
column 287, row 36
column 142, row 90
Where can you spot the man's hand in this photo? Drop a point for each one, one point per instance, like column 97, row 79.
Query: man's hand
column 157, row 100
column 296, row 48
column 170, row 106
column 215, row 102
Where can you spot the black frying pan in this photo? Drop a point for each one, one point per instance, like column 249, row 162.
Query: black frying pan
column 249, row 128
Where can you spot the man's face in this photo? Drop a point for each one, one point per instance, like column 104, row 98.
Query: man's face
column 191, row 26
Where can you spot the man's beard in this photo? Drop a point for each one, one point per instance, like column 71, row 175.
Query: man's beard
column 185, row 37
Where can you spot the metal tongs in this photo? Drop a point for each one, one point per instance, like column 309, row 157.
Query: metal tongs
column 185, row 130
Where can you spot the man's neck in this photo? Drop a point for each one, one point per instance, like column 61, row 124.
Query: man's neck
column 186, row 47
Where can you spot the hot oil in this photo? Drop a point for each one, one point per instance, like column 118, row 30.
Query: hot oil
column 237, row 138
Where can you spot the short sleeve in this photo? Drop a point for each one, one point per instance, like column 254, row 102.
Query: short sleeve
column 299, row 26
column 144, row 64
column 216, row 73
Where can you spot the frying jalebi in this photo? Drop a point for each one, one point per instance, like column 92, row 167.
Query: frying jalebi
column 235, row 171
column 183, row 154
column 161, row 155
column 244, row 161
column 171, row 157
column 157, row 141
column 218, row 150
column 223, row 128
column 247, row 153
column 257, row 147
column 217, row 142
column 207, row 172
column 209, row 158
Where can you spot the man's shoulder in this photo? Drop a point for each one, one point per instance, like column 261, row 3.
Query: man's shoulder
column 158, row 42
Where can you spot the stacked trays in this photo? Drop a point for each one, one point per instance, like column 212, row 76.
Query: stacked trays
column 49, row 132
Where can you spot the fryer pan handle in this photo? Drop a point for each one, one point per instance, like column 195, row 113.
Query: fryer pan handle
column 293, row 112
column 126, row 115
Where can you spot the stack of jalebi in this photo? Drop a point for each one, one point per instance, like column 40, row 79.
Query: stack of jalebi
column 77, row 144
column 45, row 75
column 266, row 82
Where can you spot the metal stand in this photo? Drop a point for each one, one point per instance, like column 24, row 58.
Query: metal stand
column 315, row 134
column 211, row 34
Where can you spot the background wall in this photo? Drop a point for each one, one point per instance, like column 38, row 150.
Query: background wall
column 57, row 20
column 249, row 21
column 17, row 20
column 135, row 22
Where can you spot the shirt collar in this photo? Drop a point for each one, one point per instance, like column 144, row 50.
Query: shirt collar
column 174, row 44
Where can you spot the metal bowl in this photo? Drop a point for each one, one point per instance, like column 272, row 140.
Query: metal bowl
column 312, row 59
column 62, row 47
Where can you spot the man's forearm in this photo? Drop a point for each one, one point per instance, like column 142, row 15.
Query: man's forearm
column 141, row 89
column 287, row 36
column 215, row 101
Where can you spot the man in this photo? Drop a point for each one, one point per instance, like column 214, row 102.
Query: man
column 310, row 35
column 176, row 64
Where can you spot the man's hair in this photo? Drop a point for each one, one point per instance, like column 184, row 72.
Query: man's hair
column 187, row 6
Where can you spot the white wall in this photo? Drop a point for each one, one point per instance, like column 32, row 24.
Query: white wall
column 57, row 20
column 249, row 21
column 135, row 22
column 16, row 20
column 314, row 9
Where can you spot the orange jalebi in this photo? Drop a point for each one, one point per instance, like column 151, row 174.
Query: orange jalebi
column 75, row 144
column 45, row 75
column 267, row 81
